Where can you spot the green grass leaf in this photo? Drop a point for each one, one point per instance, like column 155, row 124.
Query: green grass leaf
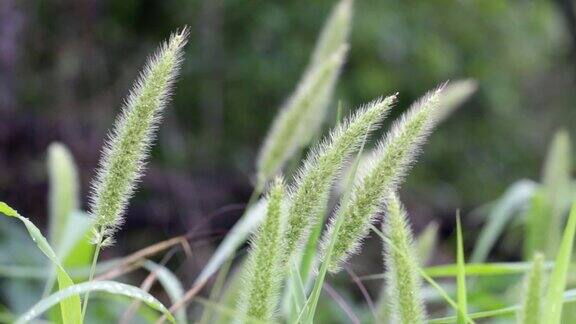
column 516, row 197
column 171, row 285
column 111, row 287
column 461, row 275
column 237, row 235
column 69, row 306
column 552, row 311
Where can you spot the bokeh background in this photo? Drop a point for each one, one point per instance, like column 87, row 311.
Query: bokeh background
column 65, row 67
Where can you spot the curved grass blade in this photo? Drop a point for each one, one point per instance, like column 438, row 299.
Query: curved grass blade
column 111, row 287
column 517, row 196
column 237, row 235
column 69, row 306
column 171, row 285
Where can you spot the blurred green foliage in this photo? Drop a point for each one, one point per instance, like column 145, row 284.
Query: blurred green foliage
column 244, row 58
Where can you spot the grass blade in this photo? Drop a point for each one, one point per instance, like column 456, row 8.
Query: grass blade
column 171, row 285
column 552, row 311
column 517, row 196
column 461, row 276
column 237, row 235
column 69, row 306
column 111, row 287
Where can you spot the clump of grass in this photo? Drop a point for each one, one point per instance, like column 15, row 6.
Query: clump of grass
column 263, row 272
column 312, row 185
column 403, row 280
column 388, row 165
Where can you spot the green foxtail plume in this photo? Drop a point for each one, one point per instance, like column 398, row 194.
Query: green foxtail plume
column 402, row 278
column 530, row 312
column 263, row 272
column 127, row 147
column 301, row 117
column 312, row 185
column 388, row 165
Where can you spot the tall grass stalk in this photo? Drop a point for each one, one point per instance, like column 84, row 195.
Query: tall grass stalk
column 125, row 152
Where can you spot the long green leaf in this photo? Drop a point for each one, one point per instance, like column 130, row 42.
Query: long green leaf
column 517, row 196
column 111, row 287
column 552, row 310
column 461, row 275
column 237, row 235
column 171, row 285
column 69, row 306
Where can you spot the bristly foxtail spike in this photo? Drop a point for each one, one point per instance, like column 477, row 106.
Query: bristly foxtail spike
column 312, row 184
column 389, row 163
column 263, row 272
column 402, row 277
column 128, row 143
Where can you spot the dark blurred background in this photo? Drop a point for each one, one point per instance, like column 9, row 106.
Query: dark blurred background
column 65, row 67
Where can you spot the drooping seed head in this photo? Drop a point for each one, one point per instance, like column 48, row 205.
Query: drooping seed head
column 128, row 144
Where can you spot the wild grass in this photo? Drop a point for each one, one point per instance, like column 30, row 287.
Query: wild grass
column 293, row 249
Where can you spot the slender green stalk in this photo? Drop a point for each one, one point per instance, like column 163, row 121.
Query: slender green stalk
column 403, row 280
column 530, row 312
column 263, row 271
column 91, row 276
